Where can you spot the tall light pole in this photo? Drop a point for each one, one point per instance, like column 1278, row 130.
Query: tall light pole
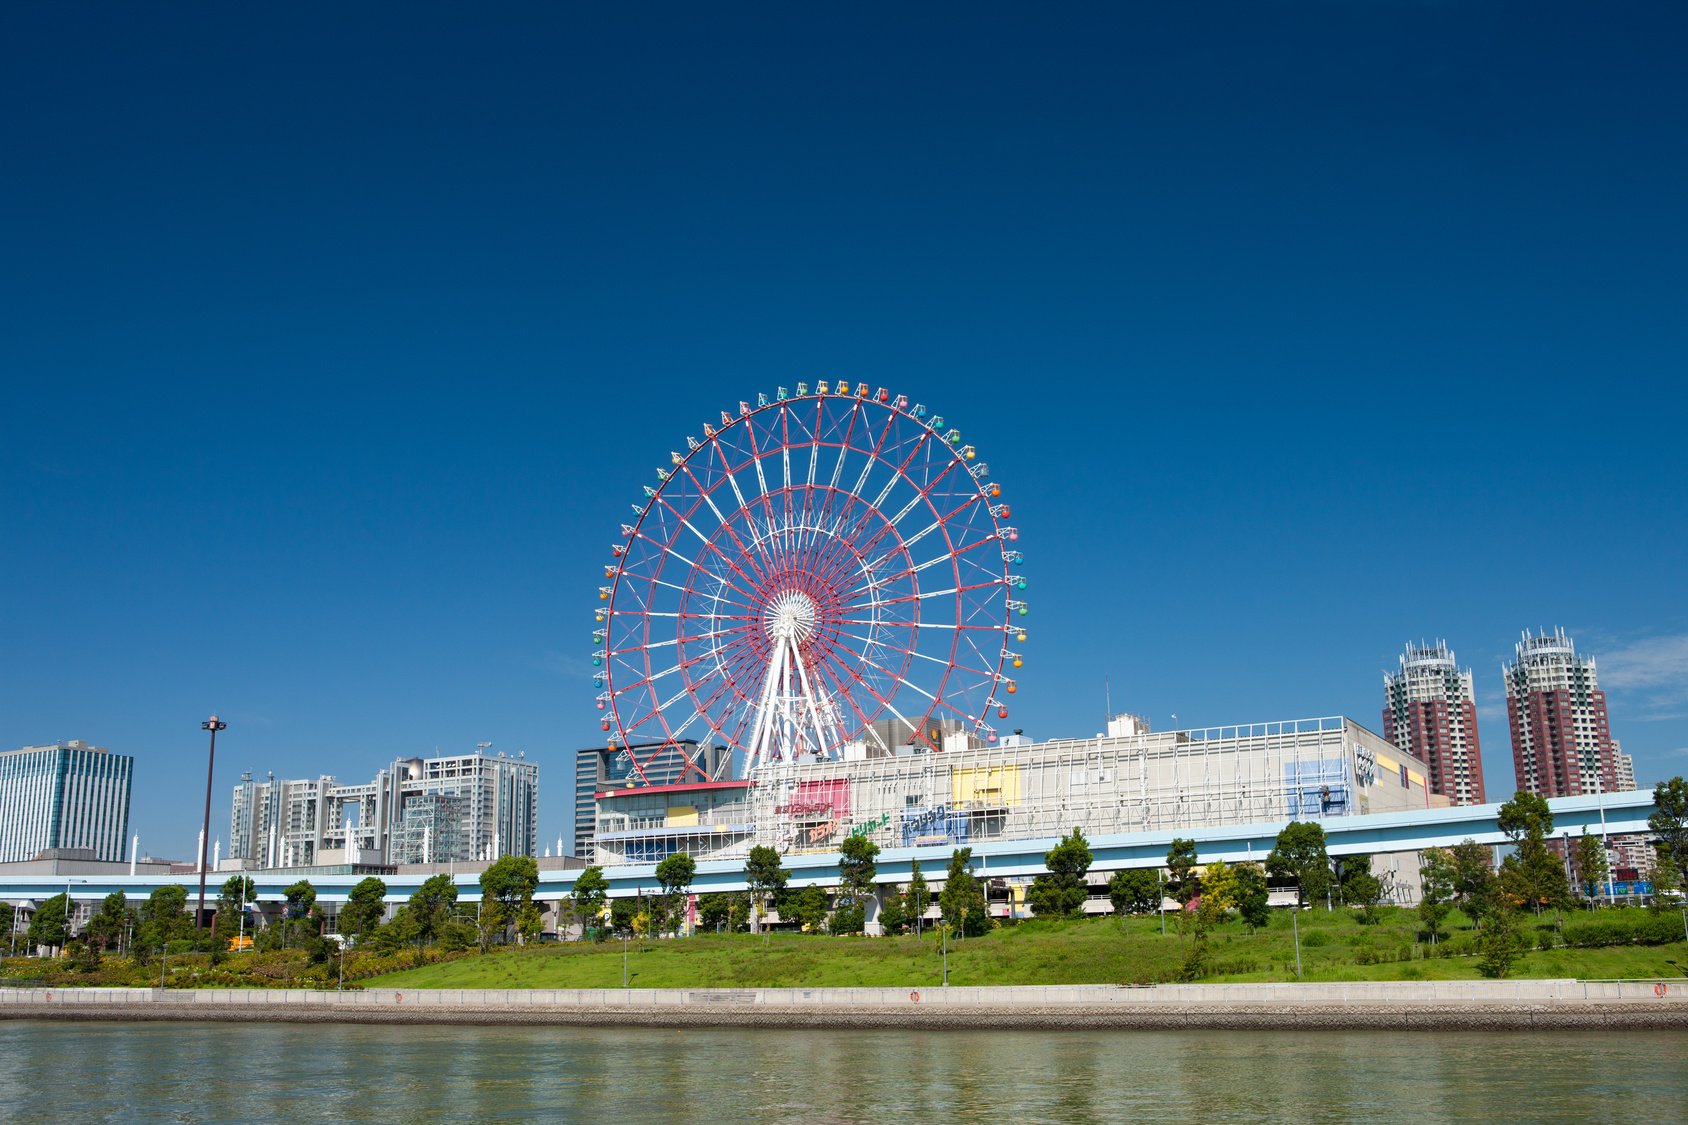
column 213, row 724
column 67, row 884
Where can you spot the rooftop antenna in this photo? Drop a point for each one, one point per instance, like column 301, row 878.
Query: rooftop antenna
column 1107, row 700
column 481, row 747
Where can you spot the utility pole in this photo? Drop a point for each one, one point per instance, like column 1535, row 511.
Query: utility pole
column 213, row 724
column 1295, row 921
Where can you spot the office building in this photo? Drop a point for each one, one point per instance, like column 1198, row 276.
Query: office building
column 466, row 807
column 66, row 795
column 1431, row 712
column 1561, row 746
column 600, row 768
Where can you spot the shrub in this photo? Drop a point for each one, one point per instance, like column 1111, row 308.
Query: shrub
column 1624, row 928
column 1314, row 938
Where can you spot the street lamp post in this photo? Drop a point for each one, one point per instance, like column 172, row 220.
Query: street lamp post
column 213, row 724
column 67, row 884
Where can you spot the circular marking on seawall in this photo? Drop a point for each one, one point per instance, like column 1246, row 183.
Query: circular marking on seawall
column 1661, row 988
column 915, row 996
column 398, row 997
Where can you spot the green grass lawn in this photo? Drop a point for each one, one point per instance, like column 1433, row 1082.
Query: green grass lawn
column 1037, row 952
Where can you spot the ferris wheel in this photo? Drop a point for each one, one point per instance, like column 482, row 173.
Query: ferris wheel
column 825, row 575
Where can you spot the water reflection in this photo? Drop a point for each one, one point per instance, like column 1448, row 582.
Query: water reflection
column 285, row 1072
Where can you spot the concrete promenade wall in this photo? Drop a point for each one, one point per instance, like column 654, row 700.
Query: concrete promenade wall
column 1427, row 1005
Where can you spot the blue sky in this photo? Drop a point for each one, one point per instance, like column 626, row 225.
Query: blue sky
column 335, row 342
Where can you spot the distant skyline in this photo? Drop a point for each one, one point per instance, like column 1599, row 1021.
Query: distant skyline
column 336, row 343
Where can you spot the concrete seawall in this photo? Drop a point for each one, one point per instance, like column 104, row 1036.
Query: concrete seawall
column 1426, row 1006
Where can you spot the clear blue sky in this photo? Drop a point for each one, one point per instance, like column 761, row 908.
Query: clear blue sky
column 334, row 343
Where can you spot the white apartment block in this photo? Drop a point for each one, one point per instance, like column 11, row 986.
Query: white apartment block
column 418, row 810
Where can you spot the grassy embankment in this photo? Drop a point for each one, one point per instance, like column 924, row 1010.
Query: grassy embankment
column 1037, row 952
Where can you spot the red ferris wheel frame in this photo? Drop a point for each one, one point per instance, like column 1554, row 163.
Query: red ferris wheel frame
column 823, row 574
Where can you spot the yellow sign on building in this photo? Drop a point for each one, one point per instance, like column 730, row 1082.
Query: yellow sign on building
column 989, row 785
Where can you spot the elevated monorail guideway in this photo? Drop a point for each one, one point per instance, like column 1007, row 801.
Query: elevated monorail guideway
column 825, row 574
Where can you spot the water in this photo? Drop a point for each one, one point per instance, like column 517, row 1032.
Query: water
column 227, row 1072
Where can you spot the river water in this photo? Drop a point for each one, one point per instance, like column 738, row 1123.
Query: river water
column 227, row 1072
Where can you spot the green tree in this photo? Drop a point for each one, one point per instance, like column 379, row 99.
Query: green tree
column 531, row 923
column 364, row 908
column 1135, row 890
column 1525, row 817
column 1670, row 826
column 432, row 906
column 401, row 930
column 893, row 916
column 491, row 919
column 48, row 925
column 1300, row 855
column 1437, row 878
column 1533, row 873
column 1219, row 894
column 105, row 929
column 1181, row 883
column 765, row 878
column 509, row 882
column 300, row 902
column 675, row 873
column 1474, row 877
column 918, row 898
column 1361, row 888
column 1253, row 895
column 809, row 907
column 857, row 869
column 714, row 911
column 962, row 901
column 163, row 917
column 1062, row 888
column 1499, row 940
column 1588, row 855
column 622, row 913
column 590, row 891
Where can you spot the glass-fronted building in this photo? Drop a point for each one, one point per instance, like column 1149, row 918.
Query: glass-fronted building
column 67, row 795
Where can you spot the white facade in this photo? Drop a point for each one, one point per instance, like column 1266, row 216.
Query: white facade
column 419, row 810
column 1135, row 781
column 1624, row 767
column 67, row 795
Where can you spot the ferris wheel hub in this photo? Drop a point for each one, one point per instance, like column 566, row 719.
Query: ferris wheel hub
column 791, row 616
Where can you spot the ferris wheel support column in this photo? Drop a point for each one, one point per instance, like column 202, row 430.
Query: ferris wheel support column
column 814, row 711
column 765, row 708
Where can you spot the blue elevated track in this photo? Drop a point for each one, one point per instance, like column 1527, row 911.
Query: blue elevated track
column 1625, row 813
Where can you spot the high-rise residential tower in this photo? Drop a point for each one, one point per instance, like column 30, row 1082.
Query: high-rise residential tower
column 1431, row 713
column 1623, row 769
column 1561, row 745
column 66, row 795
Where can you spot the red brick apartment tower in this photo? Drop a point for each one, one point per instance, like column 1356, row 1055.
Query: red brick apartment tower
column 1432, row 715
column 1561, row 746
